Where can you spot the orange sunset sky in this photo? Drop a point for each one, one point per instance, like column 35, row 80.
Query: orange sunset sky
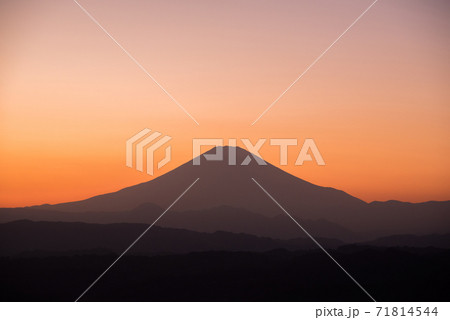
column 377, row 104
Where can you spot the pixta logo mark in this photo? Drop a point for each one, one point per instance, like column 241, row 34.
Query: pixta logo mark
column 150, row 142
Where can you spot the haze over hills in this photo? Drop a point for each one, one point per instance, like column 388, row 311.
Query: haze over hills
column 227, row 199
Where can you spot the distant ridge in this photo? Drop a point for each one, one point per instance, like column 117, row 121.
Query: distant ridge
column 58, row 238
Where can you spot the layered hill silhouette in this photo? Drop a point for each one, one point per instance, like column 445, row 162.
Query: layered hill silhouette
column 27, row 238
column 222, row 218
column 227, row 199
column 68, row 238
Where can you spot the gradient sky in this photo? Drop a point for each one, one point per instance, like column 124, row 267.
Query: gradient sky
column 377, row 104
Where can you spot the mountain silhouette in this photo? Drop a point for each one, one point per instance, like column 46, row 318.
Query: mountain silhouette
column 219, row 184
column 226, row 198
